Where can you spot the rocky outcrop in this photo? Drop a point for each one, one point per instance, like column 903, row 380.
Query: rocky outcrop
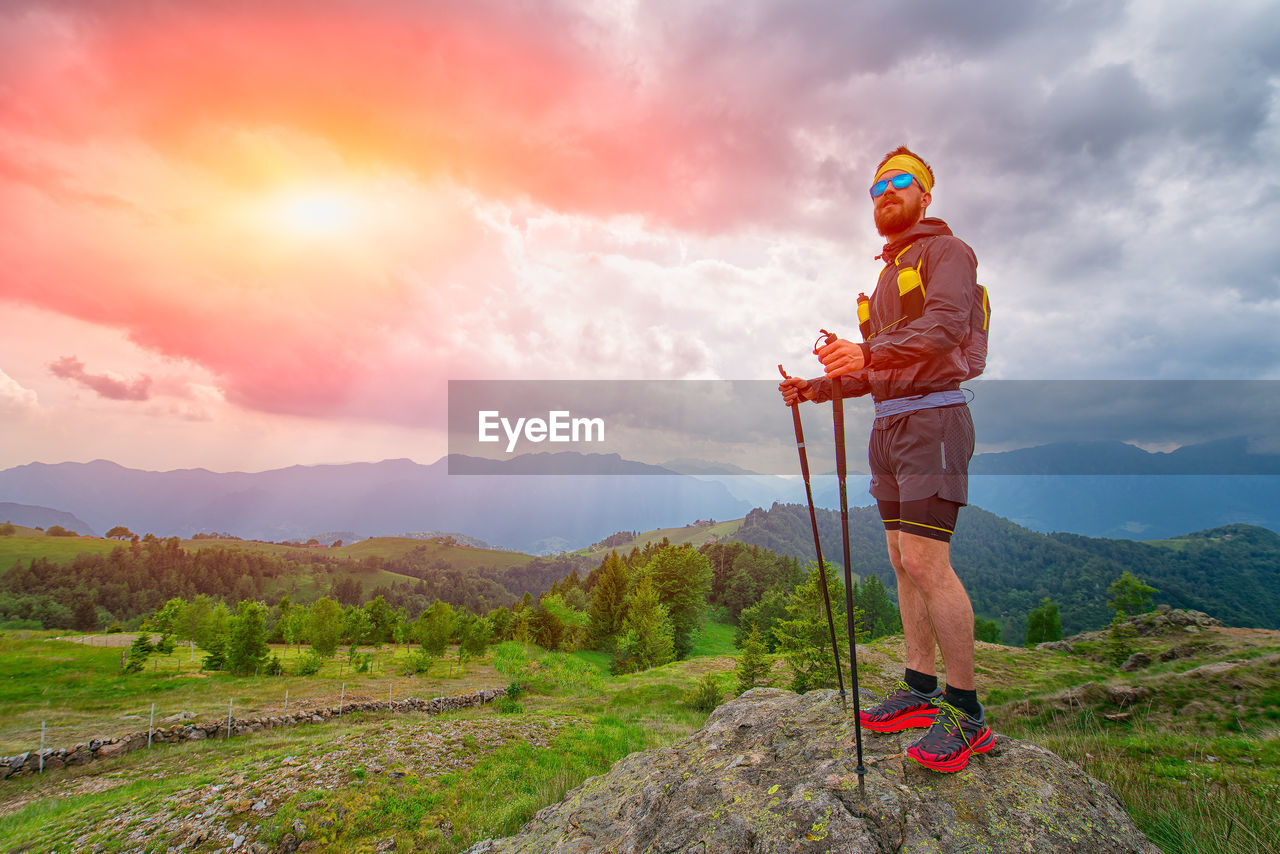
column 105, row 748
column 773, row 772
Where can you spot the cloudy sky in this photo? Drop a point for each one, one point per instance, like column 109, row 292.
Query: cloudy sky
column 244, row 237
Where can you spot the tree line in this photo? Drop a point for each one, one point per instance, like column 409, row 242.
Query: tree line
column 1231, row 572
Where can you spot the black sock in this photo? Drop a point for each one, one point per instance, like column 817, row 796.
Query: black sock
column 922, row 683
column 965, row 701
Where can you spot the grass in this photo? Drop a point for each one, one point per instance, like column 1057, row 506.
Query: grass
column 1188, row 795
column 504, row 782
column 29, row 543
column 78, row 691
column 686, row 534
column 1204, row 780
column 33, row 544
column 714, row 639
column 458, row 557
column 1195, row 763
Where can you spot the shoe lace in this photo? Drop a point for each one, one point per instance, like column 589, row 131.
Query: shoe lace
column 951, row 717
column 901, row 694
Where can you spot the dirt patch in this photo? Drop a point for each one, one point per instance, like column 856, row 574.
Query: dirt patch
column 66, row 789
column 113, row 639
column 1263, row 635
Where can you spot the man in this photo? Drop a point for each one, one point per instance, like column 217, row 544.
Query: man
column 924, row 331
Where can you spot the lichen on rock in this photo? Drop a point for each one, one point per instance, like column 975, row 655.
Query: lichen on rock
column 773, row 772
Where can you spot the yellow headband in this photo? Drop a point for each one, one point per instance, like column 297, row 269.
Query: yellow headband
column 912, row 166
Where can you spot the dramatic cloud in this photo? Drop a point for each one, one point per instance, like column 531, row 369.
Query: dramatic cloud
column 331, row 208
column 71, row 368
column 15, row 400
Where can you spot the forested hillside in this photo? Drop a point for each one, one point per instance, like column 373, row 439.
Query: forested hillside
column 137, row 578
column 1232, row 573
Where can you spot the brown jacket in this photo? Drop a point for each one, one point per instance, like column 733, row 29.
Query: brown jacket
column 927, row 329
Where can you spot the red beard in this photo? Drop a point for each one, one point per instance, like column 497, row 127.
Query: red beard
column 897, row 218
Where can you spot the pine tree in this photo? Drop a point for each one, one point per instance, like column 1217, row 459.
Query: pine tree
column 608, row 603
column 752, row 666
column 139, row 650
column 805, row 639
column 649, row 638
column 766, row 614
column 1129, row 595
column 247, row 642
column 880, row 614
column 1120, row 637
column 682, row 577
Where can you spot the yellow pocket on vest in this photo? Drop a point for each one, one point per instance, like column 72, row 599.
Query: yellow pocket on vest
column 909, row 280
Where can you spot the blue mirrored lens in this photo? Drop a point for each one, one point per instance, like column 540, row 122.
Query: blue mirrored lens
column 901, row 182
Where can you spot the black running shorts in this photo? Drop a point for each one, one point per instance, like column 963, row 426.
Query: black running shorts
column 920, row 455
column 931, row 517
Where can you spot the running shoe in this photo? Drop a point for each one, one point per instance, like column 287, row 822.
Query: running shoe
column 902, row 709
column 953, row 737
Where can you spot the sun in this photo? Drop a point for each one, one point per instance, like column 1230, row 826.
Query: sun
column 317, row 213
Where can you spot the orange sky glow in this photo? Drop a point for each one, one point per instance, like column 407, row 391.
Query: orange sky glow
column 243, row 236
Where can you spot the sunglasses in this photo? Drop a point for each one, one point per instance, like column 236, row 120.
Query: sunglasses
column 900, row 182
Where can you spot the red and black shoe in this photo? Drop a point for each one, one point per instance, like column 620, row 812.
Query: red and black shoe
column 902, row 709
column 952, row 739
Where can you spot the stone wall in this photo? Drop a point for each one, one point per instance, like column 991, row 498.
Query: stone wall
column 105, row 748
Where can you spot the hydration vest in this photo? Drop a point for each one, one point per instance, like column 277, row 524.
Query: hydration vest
column 911, row 295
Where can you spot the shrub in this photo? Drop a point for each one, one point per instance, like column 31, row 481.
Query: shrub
column 508, row 705
column 1120, row 637
column 275, row 667
column 309, row 663
column 707, row 695
column 417, row 662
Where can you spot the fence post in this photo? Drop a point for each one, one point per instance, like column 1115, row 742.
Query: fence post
column 341, row 698
column 42, row 747
column 151, row 726
column 286, row 702
column 230, row 709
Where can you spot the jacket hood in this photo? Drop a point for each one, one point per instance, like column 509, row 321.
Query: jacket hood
column 928, row 227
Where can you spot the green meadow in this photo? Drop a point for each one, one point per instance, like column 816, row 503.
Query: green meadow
column 1195, row 762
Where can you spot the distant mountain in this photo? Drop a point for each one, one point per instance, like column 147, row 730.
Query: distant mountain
column 1232, row 573
column 1099, row 489
column 545, row 503
column 1223, row 457
column 42, row 517
column 527, row 511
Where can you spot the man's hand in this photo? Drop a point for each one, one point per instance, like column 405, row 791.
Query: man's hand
column 841, row 357
column 795, row 390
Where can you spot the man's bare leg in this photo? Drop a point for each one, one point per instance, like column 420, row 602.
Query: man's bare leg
column 917, row 628
column 926, row 566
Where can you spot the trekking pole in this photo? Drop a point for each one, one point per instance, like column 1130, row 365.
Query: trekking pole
column 817, row 544
column 837, row 408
